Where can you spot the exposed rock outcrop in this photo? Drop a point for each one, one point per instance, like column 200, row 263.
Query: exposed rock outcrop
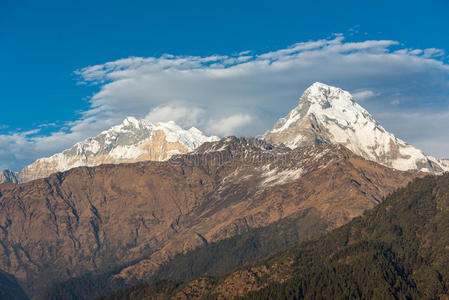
column 8, row 176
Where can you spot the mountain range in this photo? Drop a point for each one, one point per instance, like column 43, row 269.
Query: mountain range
column 132, row 141
column 143, row 202
column 137, row 216
column 324, row 115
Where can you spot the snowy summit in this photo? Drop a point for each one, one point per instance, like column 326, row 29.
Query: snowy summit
column 327, row 114
column 131, row 141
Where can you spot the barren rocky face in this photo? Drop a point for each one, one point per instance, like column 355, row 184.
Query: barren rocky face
column 398, row 250
column 93, row 219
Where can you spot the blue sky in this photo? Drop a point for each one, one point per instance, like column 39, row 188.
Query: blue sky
column 51, row 98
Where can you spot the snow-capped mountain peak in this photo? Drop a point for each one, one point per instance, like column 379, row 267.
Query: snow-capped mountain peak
column 324, row 94
column 328, row 102
column 327, row 114
column 131, row 141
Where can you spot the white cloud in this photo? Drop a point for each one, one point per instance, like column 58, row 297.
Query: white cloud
column 395, row 101
column 363, row 94
column 433, row 52
column 228, row 125
column 184, row 116
column 196, row 90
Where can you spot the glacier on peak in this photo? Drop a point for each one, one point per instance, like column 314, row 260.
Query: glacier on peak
column 327, row 114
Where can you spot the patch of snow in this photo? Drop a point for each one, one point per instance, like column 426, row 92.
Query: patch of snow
column 122, row 152
column 276, row 177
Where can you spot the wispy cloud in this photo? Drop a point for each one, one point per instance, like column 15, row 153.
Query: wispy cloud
column 363, row 95
column 228, row 125
column 187, row 116
column 246, row 93
column 395, row 102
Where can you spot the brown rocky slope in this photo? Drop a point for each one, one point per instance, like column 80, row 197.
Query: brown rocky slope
column 397, row 250
column 95, row 219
